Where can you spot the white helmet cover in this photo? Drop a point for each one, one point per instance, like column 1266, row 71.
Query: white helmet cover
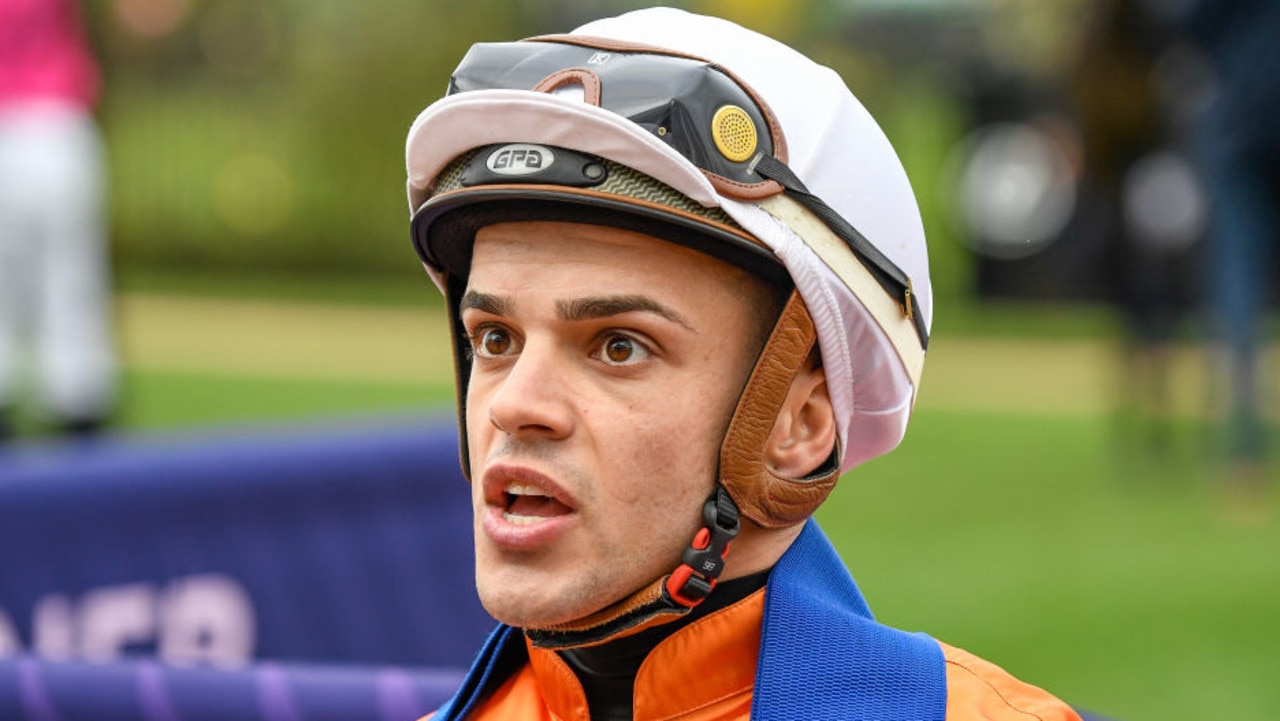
column 872, row 339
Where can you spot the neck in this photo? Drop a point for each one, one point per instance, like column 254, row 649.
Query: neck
column 607, row 671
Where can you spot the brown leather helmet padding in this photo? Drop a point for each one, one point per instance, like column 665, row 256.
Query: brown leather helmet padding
column 763, row 497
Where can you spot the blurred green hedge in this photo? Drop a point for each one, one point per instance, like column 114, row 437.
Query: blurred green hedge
column 268, row 136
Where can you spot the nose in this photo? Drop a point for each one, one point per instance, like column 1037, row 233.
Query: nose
column 531, row 400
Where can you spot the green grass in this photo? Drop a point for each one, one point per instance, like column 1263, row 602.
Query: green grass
column 166, row 400
column 1130, row 586
column 411, row 287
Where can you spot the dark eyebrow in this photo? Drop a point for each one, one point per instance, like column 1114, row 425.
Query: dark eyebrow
column 603, row 307
column 491, row 304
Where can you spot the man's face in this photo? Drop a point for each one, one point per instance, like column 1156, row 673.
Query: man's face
column 606, row 367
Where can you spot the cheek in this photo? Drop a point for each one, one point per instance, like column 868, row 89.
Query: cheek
column 670, row 459
column 476, row 420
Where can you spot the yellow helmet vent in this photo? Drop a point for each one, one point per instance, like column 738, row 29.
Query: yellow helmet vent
column 734, row 133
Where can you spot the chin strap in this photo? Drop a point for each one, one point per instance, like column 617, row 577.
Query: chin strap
column 703, row 560
column 663, row 600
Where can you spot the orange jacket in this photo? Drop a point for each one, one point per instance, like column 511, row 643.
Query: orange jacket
column 720, row 653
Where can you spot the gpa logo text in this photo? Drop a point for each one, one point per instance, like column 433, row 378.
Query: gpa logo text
column 520, row 159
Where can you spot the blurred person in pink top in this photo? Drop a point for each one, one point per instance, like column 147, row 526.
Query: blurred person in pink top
column 54, row 277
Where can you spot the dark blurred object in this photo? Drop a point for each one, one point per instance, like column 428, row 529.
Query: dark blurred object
column 38, row 690
column 1238, row 138
column 1075, row 188
column 1018, row 197
column 54, row 281
column 1141, row 199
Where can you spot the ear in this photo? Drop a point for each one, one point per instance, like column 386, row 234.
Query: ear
column 804, row 434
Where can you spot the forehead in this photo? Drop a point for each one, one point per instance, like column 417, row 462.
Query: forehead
column 575, row 255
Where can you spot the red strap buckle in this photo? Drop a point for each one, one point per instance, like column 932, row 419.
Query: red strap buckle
column 703, row 561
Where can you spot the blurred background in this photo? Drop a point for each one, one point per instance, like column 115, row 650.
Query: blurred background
column 1092, row 466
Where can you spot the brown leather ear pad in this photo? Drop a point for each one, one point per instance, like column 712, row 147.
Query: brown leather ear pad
column 763, row 497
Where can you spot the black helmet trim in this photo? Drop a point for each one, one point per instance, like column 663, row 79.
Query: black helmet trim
column 443, row 230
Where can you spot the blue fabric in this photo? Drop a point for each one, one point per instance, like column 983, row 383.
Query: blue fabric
column 502, row 655
column 822, row 655
column 349, row 542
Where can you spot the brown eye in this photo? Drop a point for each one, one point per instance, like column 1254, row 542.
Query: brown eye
column 619, row 349
column 622, row 350
column 494, row 342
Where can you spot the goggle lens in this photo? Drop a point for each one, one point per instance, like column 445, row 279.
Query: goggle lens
column 691, row 105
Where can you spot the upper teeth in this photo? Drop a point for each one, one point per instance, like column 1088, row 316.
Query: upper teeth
column 520, row 489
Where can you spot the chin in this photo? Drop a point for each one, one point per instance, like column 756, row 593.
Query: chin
column 540, row 606
column 526, row 613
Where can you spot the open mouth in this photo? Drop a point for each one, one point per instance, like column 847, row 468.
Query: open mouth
column 526, row 505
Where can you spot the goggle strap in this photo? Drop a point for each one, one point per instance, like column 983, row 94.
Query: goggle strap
column 892, row 278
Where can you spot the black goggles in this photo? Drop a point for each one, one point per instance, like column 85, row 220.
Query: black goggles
column 697, row 108
column 691, row 105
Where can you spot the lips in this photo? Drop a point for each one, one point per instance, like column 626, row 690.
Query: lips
column 523, row 508
column 527, row 504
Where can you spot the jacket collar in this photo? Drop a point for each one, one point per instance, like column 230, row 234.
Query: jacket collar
column 704, row 663
column 847, row 664
column 851, row 662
